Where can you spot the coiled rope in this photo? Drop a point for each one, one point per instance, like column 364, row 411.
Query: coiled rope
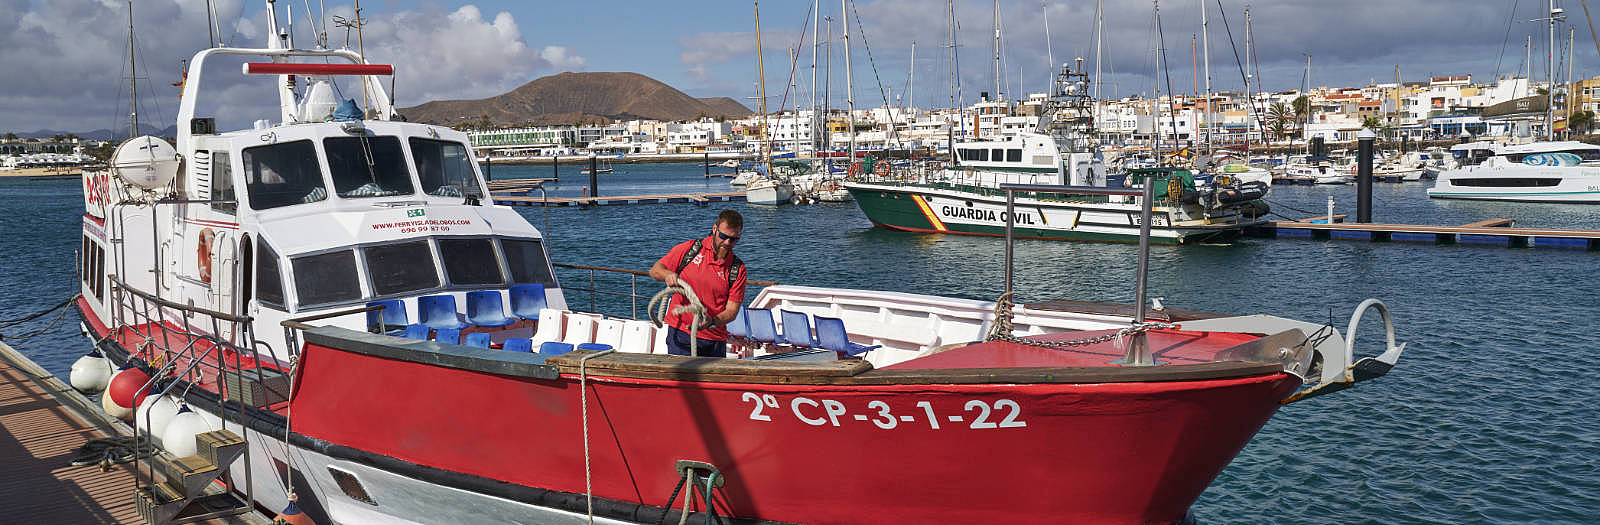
column 662, row 300
column 106, row 452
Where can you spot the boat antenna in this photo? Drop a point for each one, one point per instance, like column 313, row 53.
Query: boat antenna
column 133, row 80
column 361, row 49
column 1049, row 52
column 211, row 21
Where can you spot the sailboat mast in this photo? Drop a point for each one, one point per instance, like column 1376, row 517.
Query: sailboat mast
column 816, row 17
column 133, row 80
column 1155, row 103
column 996, row 48
column 1099, row 24
column 1566, row 88
column 761, row 102
column 1550, row 75
column 955, row 77
column 911, row 82
column 849, row 82
column 1205, row 48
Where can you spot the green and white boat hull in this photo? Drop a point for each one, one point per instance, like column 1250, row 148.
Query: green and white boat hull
column 975, row 210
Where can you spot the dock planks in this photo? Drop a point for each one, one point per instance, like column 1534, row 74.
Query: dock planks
column 41, row 427
column 1498, row 232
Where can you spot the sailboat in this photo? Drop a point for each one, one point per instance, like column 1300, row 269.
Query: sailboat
column 765, row 187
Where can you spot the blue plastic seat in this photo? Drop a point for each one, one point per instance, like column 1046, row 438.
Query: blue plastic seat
column 740, row 326
column 448, row 335
column 518, row 344
column 797, row 329
column 483, row 309
column 417, row 331
column 527, row 300
column 391, row 319
column 831, row 335
column 555, row 348
column 439, row 311
column 762, row 328
column 480, row 340
column 594, row 347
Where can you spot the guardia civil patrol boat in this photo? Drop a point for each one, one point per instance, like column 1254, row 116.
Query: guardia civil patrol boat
column 285, row 304
column 965, row 198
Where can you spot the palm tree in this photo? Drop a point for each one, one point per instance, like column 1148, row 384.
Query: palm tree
column 1581, row 121
column 1280, row 119
column 1373, row 123
column 11, row 136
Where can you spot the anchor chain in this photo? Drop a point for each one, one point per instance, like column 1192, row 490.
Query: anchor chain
column 1001, row 330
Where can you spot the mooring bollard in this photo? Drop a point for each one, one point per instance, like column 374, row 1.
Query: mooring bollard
column 708, row 164
column 594, row 173
column 1363, row 176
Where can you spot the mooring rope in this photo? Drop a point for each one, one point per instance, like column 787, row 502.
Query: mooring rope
column 583, row 396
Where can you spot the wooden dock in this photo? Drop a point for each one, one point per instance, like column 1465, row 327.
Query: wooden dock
column 510, row 199
column 1494, row 232
column 44, row 421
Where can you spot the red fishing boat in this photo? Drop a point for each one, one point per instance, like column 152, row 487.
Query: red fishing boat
column 283, row 303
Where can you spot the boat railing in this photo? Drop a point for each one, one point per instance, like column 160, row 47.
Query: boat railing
column 1138, row 349
column 600, row 275
column 186, row 345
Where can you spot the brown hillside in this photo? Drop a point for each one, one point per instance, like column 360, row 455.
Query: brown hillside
column 570, row 98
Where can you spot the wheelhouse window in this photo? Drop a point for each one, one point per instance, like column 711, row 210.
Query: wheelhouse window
column 470, row 261
column 401, row 267
column 1013, row 155
column 326, row 278
column 222, row 183
column 367, row 166
column 284, row 174
column 445, row 168
column 525, row 258
column 269, row 277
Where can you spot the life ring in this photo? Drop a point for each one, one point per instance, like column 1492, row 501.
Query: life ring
column 881, row 168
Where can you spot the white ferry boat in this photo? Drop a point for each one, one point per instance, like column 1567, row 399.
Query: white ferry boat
column 1547, row 171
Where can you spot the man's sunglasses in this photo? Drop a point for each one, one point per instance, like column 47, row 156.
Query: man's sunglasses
column 729, row 238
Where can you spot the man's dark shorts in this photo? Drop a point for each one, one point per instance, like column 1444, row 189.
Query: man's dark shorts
column 678, row 344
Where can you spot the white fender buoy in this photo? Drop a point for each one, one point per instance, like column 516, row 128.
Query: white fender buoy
column 155, row 414
column 179, row 436
column 90, row 373
column 113, row 409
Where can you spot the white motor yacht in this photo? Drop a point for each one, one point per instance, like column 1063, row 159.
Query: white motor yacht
column 1547, row 171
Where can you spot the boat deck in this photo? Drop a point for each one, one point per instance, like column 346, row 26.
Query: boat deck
column 43, row 424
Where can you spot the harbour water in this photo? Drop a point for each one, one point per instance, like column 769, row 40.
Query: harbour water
column 1488, row 418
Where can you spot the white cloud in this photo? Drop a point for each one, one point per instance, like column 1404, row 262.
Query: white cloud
column 65, row 74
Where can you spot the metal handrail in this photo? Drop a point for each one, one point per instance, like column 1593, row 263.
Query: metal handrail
column 177, row 306
column 633, row 279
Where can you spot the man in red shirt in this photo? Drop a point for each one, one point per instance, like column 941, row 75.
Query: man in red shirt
column 717, row 277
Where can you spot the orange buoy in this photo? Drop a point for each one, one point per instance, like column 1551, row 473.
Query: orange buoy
column 291, row 515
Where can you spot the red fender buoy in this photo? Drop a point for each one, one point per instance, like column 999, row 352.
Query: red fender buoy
column 127, row 387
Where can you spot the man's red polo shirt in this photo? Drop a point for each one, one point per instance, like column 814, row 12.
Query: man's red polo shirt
column 709, row 279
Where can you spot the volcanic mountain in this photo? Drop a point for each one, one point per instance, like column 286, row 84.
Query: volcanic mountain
column 570, row 98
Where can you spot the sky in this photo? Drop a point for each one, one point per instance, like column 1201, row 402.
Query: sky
column 63, row 63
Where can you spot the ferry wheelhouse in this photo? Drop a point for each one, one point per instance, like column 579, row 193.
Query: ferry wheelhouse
column 253, row 286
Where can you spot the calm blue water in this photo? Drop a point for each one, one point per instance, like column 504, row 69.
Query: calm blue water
column 1490, row 416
